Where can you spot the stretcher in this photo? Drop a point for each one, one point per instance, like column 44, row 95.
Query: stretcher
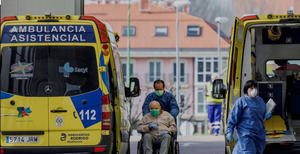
column 276, row 130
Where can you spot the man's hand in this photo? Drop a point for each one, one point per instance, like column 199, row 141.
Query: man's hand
column 153, row 126
column 164, row 132
column 229, row 137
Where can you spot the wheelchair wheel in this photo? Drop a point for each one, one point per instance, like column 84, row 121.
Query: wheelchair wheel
column 171, row 148
column 139, row 147
column 176, row 148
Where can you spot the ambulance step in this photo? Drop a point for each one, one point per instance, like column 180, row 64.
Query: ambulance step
column 296, row 126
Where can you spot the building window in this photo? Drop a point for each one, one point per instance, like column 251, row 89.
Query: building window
column 161, row 31
column 182, row 73
column 224, row 65
column 206, row 67
column 131, row 31
column 200, row 101
column 193, row 30
column 124, row 69
column 154, row 71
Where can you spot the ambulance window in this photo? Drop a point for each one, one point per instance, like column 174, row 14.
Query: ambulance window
column 23, row 69
column 48, row 71
column 75, row 73
column 281, row 68
column 270, row 67
column 112, row 86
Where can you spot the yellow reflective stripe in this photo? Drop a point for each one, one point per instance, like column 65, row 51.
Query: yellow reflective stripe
column 217, row 100
column 210, row 99
column 216, row 123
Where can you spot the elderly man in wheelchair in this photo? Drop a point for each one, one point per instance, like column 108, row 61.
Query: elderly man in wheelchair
column 157, row 128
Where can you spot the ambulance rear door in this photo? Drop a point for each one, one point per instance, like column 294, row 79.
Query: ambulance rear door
column 75, row 106
column 234, row 73
column 234, row 65
column 75, row 111
column 24, row 107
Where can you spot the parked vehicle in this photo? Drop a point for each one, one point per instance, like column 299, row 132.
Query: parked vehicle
column 265, row 48
column 62, row 87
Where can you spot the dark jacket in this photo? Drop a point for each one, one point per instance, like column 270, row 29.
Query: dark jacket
column 167, row 102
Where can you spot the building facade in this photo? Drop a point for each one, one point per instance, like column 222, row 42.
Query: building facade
column 153, row 52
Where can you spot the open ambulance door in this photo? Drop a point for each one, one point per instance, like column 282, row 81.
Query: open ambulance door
column 234, row 73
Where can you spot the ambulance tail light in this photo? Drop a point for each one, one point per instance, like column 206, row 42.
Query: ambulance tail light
column 104, row 46
column 250, row 17
column 101, row 28
column 284, row 144
column 8, row 19
column 1, row 151
column 99, row 149
column 106, row 113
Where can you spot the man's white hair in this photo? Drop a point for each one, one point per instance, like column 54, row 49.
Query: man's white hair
column 214, row 76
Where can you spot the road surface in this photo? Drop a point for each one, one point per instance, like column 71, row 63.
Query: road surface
column 193, row 145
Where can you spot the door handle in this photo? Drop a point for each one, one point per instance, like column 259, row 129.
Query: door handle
column 58, row 111
column 74, row 114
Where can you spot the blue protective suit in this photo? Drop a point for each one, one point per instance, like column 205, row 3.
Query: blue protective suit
column 247, row 117
column 167, row 102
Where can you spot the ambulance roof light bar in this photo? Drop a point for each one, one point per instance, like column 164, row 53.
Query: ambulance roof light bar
column 249, row 17
column 101, row 28
column 8, row 18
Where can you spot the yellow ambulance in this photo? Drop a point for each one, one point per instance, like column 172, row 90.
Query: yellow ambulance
column 265, row 48
column 62, row 86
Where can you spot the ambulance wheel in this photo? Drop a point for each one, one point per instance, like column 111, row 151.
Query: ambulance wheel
column 176, row 148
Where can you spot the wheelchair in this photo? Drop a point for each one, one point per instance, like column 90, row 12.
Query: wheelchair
column 173, row 148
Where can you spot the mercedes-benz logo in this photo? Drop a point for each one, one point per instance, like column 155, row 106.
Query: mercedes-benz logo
column 48, row 89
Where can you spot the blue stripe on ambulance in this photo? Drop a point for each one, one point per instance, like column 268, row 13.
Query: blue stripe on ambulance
column 48, row 33
column 92, row 107
column 4, row 95
column 104, row 75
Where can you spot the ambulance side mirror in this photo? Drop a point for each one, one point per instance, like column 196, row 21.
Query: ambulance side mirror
column 218, row 89
column 134, row 88
column 117, row 37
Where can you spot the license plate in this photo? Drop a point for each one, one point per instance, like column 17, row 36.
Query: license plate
column 22, row 139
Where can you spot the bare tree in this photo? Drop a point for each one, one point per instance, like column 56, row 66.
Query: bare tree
column 136, row 107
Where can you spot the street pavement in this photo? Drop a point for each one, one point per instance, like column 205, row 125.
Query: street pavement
column 204, row 144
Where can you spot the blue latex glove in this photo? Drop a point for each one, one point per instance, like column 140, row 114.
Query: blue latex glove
column 153, row 126
column 164, row 132
column 229, row 137
column 268, row 115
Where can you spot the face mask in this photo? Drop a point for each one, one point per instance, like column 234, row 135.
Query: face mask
column 253, row 92
column 159, row 92
column 154, row 112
